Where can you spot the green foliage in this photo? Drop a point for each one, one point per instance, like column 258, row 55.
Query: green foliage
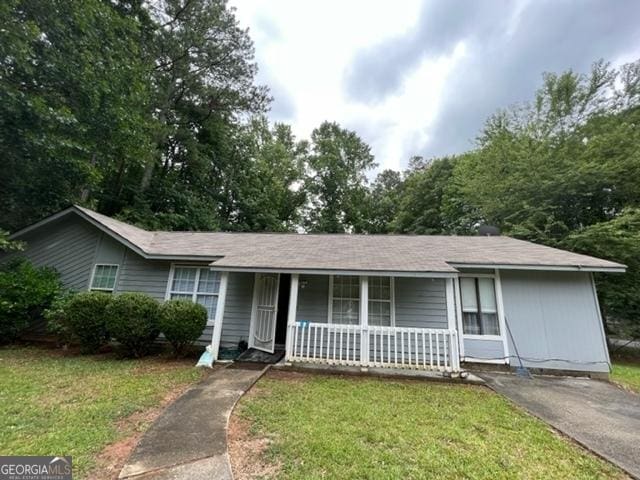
column 132, row 320
column 74, row 91
column 618, row 240
column 25, row 292
column 420, row 208
column 383, row 201
column 7, row 245
column 336, row 180
column 182, row 322
column 85, row 317
column 56, row 317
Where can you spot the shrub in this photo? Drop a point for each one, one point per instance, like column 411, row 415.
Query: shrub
column 25, row 292
column 182, row 322
column 56, row 316
column 85, row 318
column 132, row 320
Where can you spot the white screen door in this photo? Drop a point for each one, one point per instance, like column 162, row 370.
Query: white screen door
column 265, row 311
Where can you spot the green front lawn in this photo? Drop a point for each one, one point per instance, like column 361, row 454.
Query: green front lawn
column 52, row 404
column 341, row 427
column 627, row 373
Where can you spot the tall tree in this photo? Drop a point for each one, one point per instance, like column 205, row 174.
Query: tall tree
column 267, row 187
column 420, row 208
column 383, row 201
column 74, row 97
column 336, row 180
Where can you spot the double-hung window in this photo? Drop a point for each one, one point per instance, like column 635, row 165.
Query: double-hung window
column 196, row 284
column 479, row 309
column 380, row 301
column 345, row 301
column 104, row 277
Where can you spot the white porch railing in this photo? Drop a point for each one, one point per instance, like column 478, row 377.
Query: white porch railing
column 372, row 346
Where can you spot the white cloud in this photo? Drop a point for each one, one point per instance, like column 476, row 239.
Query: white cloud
column 306, row 49
column 420, row 77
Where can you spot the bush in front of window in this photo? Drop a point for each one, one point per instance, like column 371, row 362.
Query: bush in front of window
column 83, row 316
column 182, row 322
column 25, row 292
column 132, row 320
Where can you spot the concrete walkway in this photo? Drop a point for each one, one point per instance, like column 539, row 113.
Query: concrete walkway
column 189, row 439
column 597, row 414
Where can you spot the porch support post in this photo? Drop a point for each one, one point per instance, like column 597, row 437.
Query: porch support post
column 217, row 322
column 458, row 300
column 364, row 321
column 501, row 317
column 451, row 321
column 291, row 316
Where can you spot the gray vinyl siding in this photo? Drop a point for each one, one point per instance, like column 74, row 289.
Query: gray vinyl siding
column 68, row 245
column 109, row 251
column 237, row 310
column 313, row 298
column 421, row 302
column 554, row 320
column 484, row 349
column 141, row 275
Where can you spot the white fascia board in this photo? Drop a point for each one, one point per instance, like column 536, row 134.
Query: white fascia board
column 552, row 268
column 304, row 271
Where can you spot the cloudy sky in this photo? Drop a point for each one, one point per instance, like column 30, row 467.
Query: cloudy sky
column 419, row 77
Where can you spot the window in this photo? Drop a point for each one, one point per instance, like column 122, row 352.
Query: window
column 380, row 294
column 104, row 277
column 345, row 301
column 479, row 310
column 200, row 285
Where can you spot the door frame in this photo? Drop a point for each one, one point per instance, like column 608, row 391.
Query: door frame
column 254, row 311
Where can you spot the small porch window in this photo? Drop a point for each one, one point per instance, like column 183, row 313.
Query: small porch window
column 104, row 277
column 380, row 301
column 197, row 284
column 479, row 310
column 345, row 300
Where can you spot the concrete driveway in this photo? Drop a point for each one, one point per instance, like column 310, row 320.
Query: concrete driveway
column 597, row 414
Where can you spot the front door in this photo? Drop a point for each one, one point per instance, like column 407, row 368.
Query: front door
column 264, row 312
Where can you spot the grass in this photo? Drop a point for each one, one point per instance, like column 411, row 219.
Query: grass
column 627, row 373
column 341, row 427
column 52, row 404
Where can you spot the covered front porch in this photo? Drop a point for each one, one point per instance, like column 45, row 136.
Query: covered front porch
column 365, row 321
column 373, row 321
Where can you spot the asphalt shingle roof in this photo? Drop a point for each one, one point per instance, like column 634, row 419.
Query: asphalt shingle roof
column 398, row 253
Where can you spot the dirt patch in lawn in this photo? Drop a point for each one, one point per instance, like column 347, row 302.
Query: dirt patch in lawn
column 112, row 458
column 247, row 453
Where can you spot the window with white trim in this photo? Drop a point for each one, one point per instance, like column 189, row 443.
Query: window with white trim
column 345, row 300
column 197, row 284
column 380, row 301
column 104, row 277
column 479, row 308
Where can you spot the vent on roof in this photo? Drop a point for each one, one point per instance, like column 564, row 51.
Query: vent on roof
column 488, row 231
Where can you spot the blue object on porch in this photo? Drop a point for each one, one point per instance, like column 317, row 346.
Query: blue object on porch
column 206, row 359
column 303, row 323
